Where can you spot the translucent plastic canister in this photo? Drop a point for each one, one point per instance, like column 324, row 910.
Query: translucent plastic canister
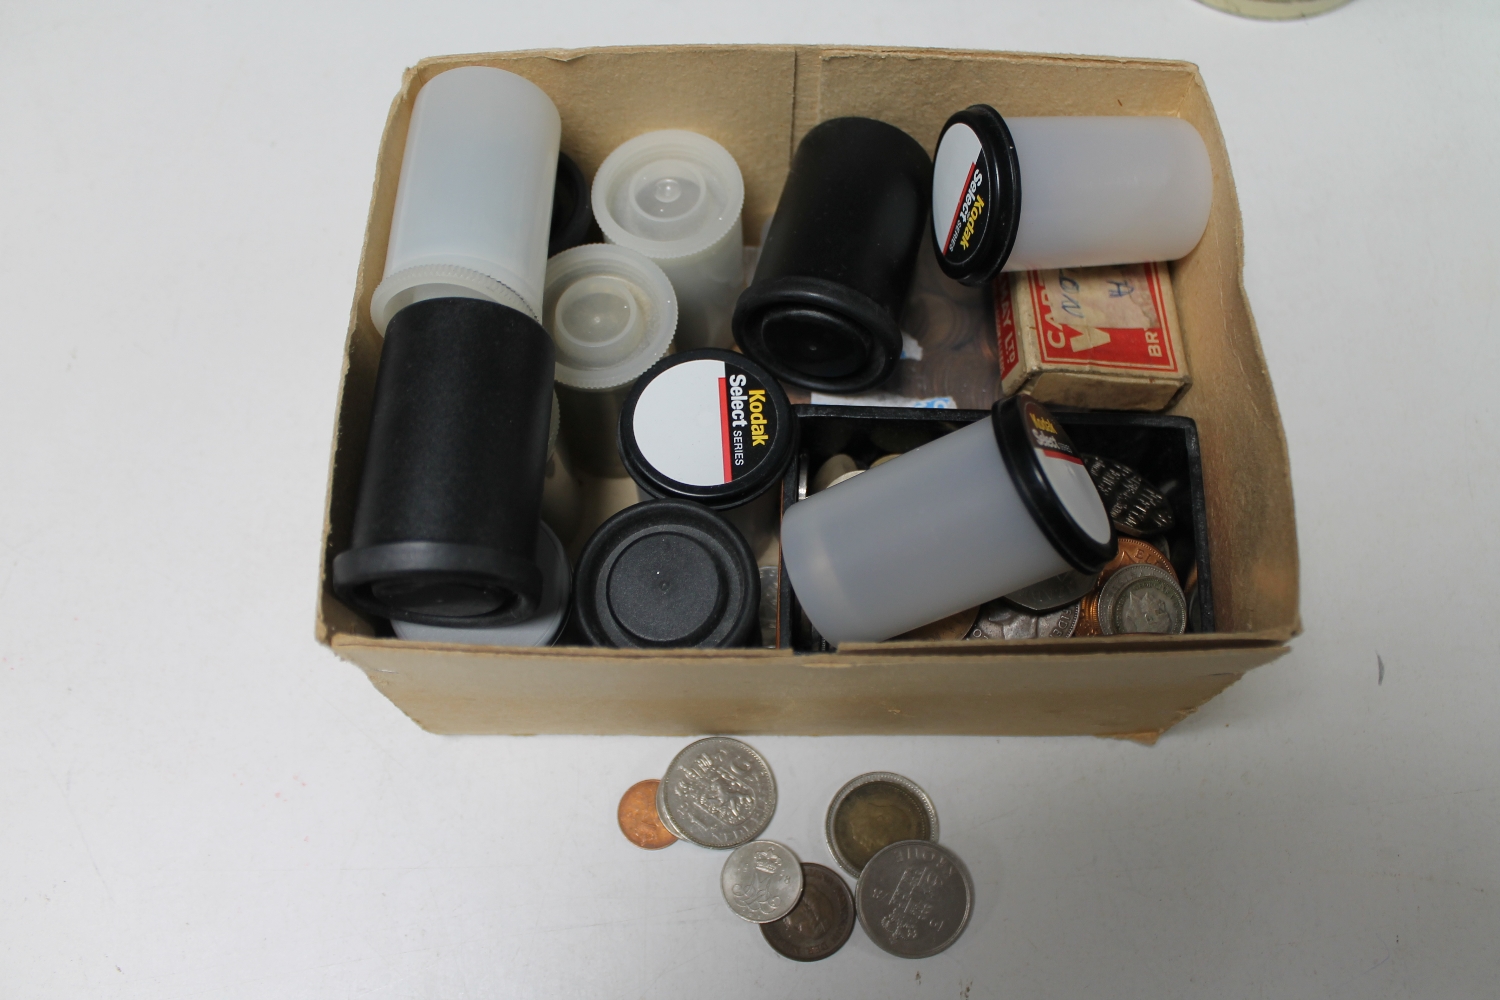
column 676, row 196
column 1019, row 194
column 474, row 200
column 611, row 313
column 944, row 527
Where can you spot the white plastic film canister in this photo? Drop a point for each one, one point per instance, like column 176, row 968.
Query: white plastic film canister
column 611, row 313
column 1021, row 194
column 675, row 196
column 986, row 510
column 474, row 202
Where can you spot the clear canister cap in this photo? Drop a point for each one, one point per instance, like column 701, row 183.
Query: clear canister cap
column 611, row 313
column 668, row 194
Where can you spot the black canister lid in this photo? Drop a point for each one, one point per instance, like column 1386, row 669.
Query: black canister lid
column 1053, row 482
column 667, row 573
column 976, row 195
column 707, row 425
column 572, row 210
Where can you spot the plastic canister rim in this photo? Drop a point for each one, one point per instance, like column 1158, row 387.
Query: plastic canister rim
column 707, row 425
column 669, row 193
column 976, row 195
column 611, row 313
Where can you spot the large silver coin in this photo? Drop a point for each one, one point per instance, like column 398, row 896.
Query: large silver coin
column 762, row 881
column 1000, row 619
column 1055, row 591
column 717, row 793
column 1135, row 506
column 915, row 898
column 1142, row 598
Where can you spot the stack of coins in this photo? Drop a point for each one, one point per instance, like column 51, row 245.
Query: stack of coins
column 914, row 895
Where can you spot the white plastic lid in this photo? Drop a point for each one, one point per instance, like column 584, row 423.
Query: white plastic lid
column 539, row 630
column 611, row 313
column 668, row 194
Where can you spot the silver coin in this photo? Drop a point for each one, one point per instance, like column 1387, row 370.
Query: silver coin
column 661, row 811
column 717, row 793
column 1135, row 506
column 1142, row 598
column 915, row 898
column 761, row 881
column 999, row 619
column 872, row 811
column 1055, row 591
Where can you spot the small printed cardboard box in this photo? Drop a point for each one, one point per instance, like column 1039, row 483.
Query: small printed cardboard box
column 758, row 101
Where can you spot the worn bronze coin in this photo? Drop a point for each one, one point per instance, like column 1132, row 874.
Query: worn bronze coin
column 639, row 820
column 874, row 810
column 820, row 923
column 955, row 626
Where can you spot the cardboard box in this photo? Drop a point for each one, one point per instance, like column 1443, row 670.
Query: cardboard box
column 758, row 101
column 1099, row 337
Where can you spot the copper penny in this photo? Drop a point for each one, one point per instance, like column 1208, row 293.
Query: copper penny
column 820, row 923
column 1132, row 550
column 639, row 821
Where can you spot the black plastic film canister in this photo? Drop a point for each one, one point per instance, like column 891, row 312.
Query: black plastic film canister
column 823, row 309
column 450, row 497
column 667, row 573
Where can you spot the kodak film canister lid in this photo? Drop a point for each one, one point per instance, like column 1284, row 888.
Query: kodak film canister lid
column 667, row 573
column 976, row 195
column 707, row 425
column 1053, row 482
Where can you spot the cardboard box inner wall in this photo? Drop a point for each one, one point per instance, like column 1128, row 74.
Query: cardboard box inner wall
column 758, row 101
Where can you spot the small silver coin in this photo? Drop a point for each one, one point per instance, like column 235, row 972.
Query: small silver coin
column 1135, row 506
column 999, row 619
column 761, row 881
column 1055, row 591
column 915, row 898
column 661, row 811
column 1142, row 598
column 717, row 793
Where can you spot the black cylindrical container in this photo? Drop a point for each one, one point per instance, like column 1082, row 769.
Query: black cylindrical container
column 707, row 425
column 823, row 309
column 446, row 522
column 572, row 212
column 667, row 573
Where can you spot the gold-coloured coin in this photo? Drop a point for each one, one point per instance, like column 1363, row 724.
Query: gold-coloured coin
column 873, row 811
column 639, row 820
column 955, row 626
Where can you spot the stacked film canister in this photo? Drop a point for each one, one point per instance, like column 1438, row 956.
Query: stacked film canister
column 448, row 512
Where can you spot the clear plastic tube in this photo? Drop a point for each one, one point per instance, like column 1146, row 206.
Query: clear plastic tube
column 611, row 313
column 676, row 196
column 474, row 201
column 1110, row 190
column 940, row 529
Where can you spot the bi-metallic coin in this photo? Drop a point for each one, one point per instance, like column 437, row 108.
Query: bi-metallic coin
column 1142, row 598
column 872, row 811
column 820, row 923
column 761, row 881
column 717, row 793
column 915, row 898
column 1135, row 506
column 639, row 819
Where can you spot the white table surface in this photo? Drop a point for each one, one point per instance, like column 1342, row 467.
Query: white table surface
column 196, row 800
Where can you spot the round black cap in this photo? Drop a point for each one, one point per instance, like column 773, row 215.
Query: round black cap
column 667, row 573
column 976, row 195
column 572, row 209
column 1053, row 482
column 707, row 425
column 818, row 333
